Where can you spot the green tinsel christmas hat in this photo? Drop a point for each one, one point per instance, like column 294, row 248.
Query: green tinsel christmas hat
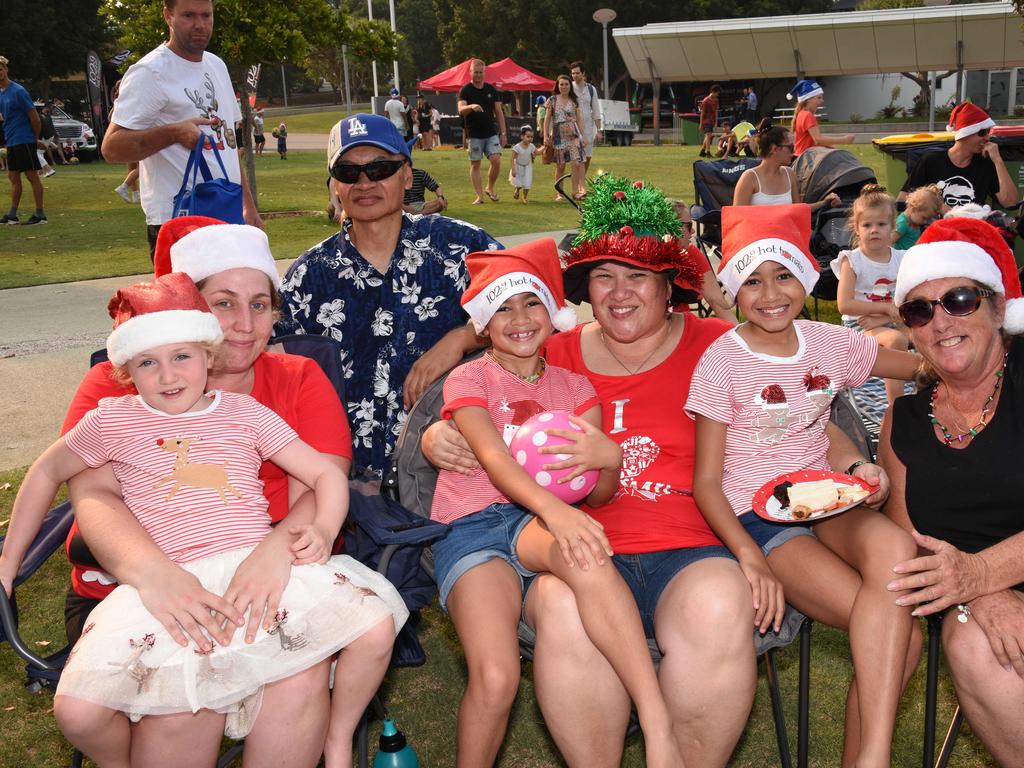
column 632, row 223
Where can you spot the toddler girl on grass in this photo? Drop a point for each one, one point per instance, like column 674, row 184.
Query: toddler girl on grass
column 867, row 275
column 505, row 527
column 520, row 175
column 761, row 396
column 188, row 465
column 924, row 205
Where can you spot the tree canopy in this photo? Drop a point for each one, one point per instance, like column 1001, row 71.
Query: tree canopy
column 366, row 40
column 244, row 31
column 48, row 39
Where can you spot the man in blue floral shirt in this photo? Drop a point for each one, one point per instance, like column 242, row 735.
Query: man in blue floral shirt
column 386, row 287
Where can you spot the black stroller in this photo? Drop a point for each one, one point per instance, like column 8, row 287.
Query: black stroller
column 820, row 171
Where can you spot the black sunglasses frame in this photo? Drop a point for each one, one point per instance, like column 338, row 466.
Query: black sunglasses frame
column 377, row 170
column 967, row 292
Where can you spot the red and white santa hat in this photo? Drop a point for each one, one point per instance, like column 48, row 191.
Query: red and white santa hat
column 532, row 267
column 169, row 310
column 967, row 119
column 754, row 234
column 200, row 246
column 964, row 248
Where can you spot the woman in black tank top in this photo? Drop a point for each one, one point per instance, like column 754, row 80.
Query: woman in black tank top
column 953, row 453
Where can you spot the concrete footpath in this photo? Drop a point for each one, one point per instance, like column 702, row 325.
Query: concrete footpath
column 46, row 336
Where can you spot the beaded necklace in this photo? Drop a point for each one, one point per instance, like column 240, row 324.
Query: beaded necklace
column 947, row 436
column 535, row 377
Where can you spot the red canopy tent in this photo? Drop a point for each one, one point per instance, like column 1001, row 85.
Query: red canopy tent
column 505, row 75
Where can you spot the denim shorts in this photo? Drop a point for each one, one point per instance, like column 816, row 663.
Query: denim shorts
column 476, row 539
column 478, row 148
column 768, row 535
column 648, row 574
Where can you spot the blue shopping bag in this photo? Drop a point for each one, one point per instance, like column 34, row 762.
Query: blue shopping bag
column 216, row 198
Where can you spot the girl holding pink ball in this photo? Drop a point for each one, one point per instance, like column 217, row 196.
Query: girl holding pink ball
column 508, row 523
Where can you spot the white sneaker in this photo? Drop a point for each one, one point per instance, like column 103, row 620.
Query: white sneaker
column 135, row 196
column 49, row 172
column 124, row 193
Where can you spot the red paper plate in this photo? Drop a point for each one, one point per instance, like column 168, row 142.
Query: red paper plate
column 767, row 506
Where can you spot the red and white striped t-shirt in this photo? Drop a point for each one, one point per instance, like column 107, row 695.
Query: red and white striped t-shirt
column 510, row 401
column 192, row 479
column 776, row 407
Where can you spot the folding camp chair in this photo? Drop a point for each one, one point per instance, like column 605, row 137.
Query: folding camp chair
column 928, row 759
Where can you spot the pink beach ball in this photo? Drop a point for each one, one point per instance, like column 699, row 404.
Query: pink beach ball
column 533, row 435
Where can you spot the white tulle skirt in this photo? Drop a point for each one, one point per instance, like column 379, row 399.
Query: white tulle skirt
column 127, row 661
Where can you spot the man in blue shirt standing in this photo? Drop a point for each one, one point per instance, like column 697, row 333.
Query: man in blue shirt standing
column 386, row 287
column 751, row 111
column 21, row 129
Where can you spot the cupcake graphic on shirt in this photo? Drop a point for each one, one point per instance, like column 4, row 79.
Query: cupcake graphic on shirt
column 819, row 388
column 771, row 422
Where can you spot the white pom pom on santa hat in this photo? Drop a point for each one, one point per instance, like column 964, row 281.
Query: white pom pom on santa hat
column 531, row 267
column 969, row 248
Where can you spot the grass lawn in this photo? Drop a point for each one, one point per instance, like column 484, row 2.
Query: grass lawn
column 92, row 233
column 308, row 122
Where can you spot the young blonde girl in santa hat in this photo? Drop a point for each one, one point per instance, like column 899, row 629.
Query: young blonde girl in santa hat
column 188, row 463
column 761, row 396
column 867, row 275
column 505, row 527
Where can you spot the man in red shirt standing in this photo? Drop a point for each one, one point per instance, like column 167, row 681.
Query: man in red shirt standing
column 709, row 119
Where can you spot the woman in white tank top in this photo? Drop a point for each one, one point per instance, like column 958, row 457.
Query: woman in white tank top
column 772, row 182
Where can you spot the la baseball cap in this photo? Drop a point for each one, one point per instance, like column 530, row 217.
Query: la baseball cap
column 365, row 130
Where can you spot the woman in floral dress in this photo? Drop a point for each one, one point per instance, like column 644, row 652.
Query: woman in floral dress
column 563, row 130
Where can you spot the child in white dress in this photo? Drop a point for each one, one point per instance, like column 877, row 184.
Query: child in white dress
column 867, row 275
column 520, row 175
column 188, row 462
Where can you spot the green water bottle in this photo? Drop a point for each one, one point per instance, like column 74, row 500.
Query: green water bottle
column 394, row 751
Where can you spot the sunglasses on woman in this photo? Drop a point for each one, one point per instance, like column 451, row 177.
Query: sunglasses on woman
column 378, row 170
column 957, row 302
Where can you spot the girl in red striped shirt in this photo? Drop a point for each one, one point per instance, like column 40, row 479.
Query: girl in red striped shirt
column 505, row 526
column 761, row 395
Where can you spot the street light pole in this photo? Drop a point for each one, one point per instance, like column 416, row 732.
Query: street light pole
column 395, row 30
column 369, row 13
column 604, row 16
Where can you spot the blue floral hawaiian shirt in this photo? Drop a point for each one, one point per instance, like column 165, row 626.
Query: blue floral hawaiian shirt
column 384, row 322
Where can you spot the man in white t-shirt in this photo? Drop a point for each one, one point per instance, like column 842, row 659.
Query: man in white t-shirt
column 590, row 107
column 168, row 98
column 395, row 110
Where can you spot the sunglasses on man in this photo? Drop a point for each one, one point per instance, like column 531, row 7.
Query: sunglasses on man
column 956, row 302
column 378, row 170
